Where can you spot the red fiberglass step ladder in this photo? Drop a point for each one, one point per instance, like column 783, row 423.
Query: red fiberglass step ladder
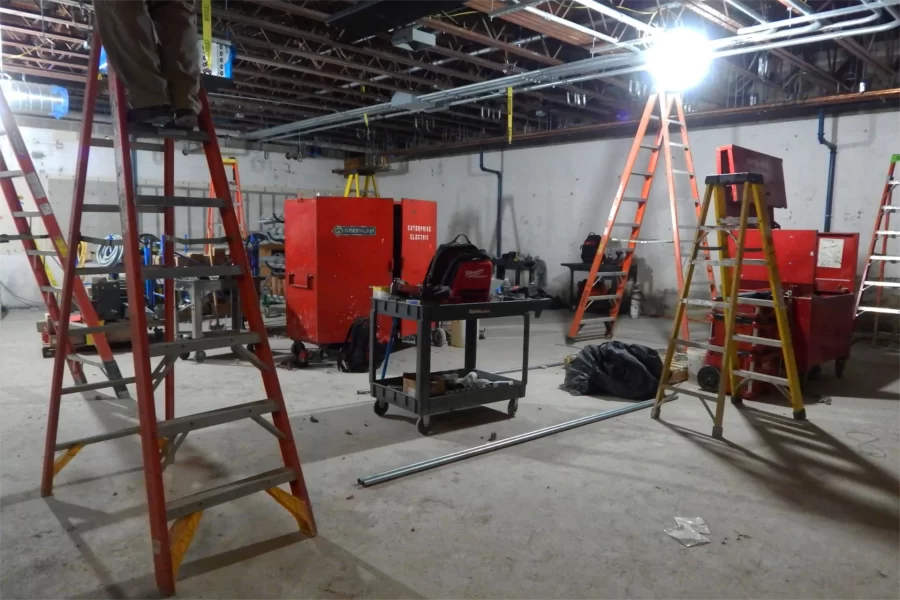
column 36, row 258
column 874, row 278
column 583, row 328
column 238, row 198
column 161, row 438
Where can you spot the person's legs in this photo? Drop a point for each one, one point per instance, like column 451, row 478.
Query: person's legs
column 179, row 52
column 126, row 32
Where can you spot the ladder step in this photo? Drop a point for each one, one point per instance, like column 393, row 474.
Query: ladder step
column 114, row 208
column 761, row 377
column 167, row 133
column 730, row 262
column 890, row 207
column 184, row 424
column 642, row 174
column 40, row 252
column 701, row 345
column 596, row 320
column 167, row 201
column 884, row 232
column 650, row 146
column 196, row 241
column 607, row 297
column 51, row 289
column 99, row 385
column 75, row 329
column 695, row 393
column 631, row 225
column 102, row 241
column 100, row 270
column 890, row 284
column 683, row 172
column 884, row 257
column 637, row 199
column 26, row 214
column 629, row 241
column 879, row 309
column 230, row 491
column 207, row 342
column 85, row 360
column 678, row 145
column 752, row 339
column 720, row 304
column 10, row 174
column 12, row 237
column 155, row 272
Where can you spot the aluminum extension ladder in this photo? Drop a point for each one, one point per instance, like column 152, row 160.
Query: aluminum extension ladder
column 730, row 268
column 882, row 232
column 160, row 439
column 583, row 328
column 36, row 260
column 238, row 199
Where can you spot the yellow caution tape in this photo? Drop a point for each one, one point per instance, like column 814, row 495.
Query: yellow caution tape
column 206, row 15
column 366, row 120
column 509, row 114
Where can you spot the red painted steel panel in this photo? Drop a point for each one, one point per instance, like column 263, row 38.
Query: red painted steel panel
column 737, row 159
column 418, row 234
column 795, row 252
column 336, row 249
column 836, row 262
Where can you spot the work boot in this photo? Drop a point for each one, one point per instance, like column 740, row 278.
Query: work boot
column 153, row 116
column 185, row 119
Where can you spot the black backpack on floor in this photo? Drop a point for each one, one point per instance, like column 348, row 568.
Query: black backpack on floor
column 354, row 354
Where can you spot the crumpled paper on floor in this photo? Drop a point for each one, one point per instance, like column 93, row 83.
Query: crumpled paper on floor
column 689, row 531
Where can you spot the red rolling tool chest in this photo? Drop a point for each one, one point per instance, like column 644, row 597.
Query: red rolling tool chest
column 336, row 249
column 818, row 272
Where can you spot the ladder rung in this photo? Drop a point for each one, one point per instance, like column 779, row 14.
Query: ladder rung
column 890, row 207
column 207, row 342
column 230, row 491
column 701, row 345
column 879, row 309
column 10, row 174
column 85, row 360
column 596, row 320
column 642, row 174
column 102, row 241
column 591, row 335
column 607, row 297
column 683, row 172
column 631, row 225
column 675, row 122
column 650, row 146
column 86, row 387
column 184, row 424
column 756, row 301
column 730, row 262
column 100, row 270
column 159, row 272
column 637, row 242
column 40, row 252
column 885, row 232
column 637, row 199
column 26, row 214
column 114, row 208
column 12, row 237
column 51, row 289
column 167, row 133
column 761, row 377
column 197, row 241
column 694, row 393
column 677, row 145
column 884, row 257
column 74, row 329
column 890, row 284
column 753, row 339
column 701, row 302
column 166, row 201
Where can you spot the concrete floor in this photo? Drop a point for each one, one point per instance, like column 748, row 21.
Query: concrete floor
column 796, row 510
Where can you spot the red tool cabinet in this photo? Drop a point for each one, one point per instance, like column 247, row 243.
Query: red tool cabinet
column 336, row 249
column 415, row 232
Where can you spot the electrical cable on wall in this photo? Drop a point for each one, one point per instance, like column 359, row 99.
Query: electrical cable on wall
column 28, row 303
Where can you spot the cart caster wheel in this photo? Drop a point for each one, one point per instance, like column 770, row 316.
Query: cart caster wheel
column 839, row 365
column 300, row 354
column 708, row 378
column 482, row 335
column 423, row 424
column 800, row 415
column 512, row 407
column 185, row 356
column 381, row 408
column 199, row 356
column 737, row 401
column 438, row 337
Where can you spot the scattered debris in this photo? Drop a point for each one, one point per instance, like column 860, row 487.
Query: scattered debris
column 412, row 529
column 115, row 493
column 493, row 436
column 365, row 424
column 689, row 531
column 350, row 497
column 313, row 420
column 742, row 536
column 348, row 432
column 362, row 392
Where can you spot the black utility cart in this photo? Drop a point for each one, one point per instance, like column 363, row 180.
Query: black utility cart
column 390, row 390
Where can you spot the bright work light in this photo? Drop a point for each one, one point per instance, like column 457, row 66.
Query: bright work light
column 678, row 59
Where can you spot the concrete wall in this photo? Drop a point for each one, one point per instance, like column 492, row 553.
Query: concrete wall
column 266, row 180
column 554, row 196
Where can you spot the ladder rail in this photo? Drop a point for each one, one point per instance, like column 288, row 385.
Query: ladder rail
column 170, row 323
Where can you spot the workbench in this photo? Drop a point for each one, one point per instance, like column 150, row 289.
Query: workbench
column 196, row 288
column 605, row 271
column 389, row 390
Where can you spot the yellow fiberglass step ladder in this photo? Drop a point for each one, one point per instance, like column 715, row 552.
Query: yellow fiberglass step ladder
column 730, row 268
column 873, row 273
column 595, row 327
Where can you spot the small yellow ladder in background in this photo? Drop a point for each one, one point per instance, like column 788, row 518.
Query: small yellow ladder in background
column 730, row 267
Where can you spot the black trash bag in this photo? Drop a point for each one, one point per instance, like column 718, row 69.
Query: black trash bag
column 629, row 371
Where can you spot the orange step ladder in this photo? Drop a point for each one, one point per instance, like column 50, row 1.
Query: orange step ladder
column 874, row 278
column 161, row 438
column 37, row 258
column 238, row 199
column 599, row 327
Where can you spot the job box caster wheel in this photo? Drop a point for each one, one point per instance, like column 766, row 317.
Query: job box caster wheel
column 380, row 408
column 708, row 378
column 438, row 337
column 512, row 407
column 300, row 354
column 199, row 356
column 423, row 424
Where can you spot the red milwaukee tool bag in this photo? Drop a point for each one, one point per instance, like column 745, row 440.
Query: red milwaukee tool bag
column 464, row 269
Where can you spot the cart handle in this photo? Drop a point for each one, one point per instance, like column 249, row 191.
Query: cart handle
column 309, row 280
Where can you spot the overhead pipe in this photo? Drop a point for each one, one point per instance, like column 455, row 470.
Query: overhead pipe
column 832, row 158
column 499, row 175
column 809, row 16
